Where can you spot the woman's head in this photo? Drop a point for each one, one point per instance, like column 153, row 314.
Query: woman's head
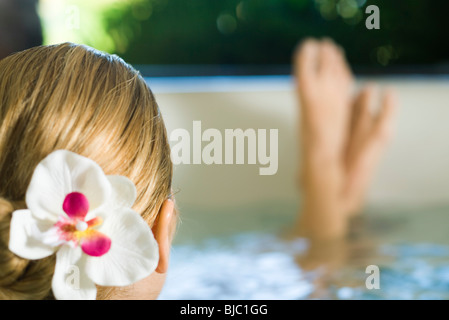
column 75, row 98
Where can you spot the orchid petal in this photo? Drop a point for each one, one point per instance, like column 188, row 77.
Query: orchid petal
column 124, row 192
column 25, row 236
column 133, row 255
column 60, row 173
column 95, row 243
column 69, row 280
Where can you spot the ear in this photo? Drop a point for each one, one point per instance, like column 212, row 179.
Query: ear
column 162, row 233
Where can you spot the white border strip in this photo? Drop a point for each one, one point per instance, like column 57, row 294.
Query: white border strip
column 284, row 83
column 220, row 84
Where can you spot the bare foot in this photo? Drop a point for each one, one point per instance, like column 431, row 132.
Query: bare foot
column 325, row 86
column 342, row 140
column 369, row 134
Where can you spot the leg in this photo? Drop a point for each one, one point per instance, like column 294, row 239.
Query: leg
column 341, row 141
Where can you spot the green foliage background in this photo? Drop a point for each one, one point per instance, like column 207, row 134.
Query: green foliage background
column 266, row 31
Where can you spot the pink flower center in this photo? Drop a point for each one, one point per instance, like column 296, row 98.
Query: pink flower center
column 76, row 205
column 78, row 231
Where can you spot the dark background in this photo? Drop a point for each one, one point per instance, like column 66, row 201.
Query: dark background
column 221, row 37
column 258, row 36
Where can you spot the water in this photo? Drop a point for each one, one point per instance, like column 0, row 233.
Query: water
column 411, row 249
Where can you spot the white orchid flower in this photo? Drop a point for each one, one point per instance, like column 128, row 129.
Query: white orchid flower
column 85, row 217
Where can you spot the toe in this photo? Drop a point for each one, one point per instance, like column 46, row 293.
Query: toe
column 384, row 122
column 306, row 59
column 362, row 116
column 328, row 58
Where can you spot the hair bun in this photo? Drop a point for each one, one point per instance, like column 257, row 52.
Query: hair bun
column 6, row 208
column 21, row 279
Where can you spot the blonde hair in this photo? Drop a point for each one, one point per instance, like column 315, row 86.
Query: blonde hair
column 75, row 98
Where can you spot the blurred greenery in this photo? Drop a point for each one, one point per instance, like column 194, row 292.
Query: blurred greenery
column 265, row 31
